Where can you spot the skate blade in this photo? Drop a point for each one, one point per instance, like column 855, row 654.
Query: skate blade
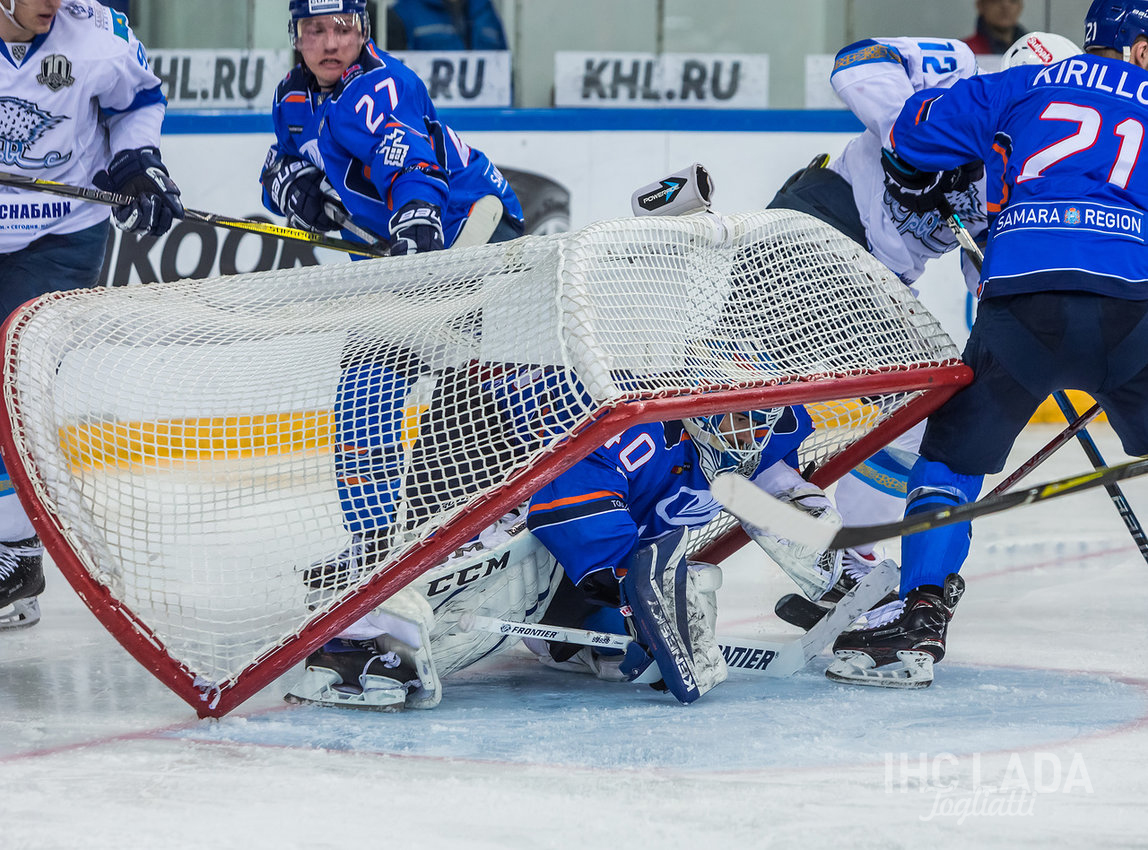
column 20, row 614
column 319, row 687
column 914, row 670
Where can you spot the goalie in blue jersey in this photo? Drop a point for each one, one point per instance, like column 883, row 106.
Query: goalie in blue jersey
column 616, row 523
column 1063, row 292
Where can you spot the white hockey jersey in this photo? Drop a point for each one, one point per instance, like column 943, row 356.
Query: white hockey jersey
column 69, row 99
column 875, row 77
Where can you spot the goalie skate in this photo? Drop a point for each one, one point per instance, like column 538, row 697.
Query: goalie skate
column 350, row 674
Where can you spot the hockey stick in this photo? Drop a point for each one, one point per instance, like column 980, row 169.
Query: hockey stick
column 1131, row 521
column 752, row 505
column 115, row 199
column 481, row 222
column 775, row 659
column 1049, row 449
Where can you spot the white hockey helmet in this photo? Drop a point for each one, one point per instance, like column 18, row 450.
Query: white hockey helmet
column 1039, row 48
column 732, row 442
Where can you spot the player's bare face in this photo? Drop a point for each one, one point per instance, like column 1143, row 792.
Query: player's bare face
column 328, row 45
column 32, row 18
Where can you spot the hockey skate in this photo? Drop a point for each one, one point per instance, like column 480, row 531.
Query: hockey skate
column 899, row 652
column 353, row 674
column 21, row 581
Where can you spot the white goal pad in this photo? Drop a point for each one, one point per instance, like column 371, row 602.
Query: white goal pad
column 231, row 470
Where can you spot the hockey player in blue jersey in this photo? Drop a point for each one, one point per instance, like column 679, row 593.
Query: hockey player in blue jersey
column 79, row 105
column 616, row 523
column 358, row 139
column 1064, row 291
column 357, row 136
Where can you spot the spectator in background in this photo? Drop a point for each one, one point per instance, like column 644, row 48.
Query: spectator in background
column 444, row 25
column 998, row 26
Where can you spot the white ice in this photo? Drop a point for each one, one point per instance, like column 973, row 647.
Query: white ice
column 1035, row 733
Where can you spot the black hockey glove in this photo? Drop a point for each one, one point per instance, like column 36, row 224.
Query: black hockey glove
column 140, row 173
column 415, row 228
column 923, row 191
column 303, row 194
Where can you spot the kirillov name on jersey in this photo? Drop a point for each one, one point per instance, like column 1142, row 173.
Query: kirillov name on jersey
column 55, row 209
column 1115, row 220
column 1073, row 71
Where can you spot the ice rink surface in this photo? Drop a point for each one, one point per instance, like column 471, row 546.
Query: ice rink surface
column 1035, row 733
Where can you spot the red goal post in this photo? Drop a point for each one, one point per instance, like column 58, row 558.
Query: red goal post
column 192, row 454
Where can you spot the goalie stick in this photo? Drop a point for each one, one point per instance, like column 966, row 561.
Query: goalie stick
column 750, row 504
column 115, row 199
column 775, row 659
column 1131, row 521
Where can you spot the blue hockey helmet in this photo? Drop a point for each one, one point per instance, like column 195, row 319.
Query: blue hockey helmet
column 1115, row 23
column 732, row 442
column 356, row 9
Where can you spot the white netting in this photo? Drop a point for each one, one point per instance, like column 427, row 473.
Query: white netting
column 232, row 457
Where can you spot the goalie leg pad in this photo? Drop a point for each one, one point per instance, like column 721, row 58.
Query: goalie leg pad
column 661, row 599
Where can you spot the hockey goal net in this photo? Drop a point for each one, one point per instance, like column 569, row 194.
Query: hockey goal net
column 200, row 458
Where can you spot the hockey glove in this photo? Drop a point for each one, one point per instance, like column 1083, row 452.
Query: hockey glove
column 303, row 194
column 140, row 173
column 923, row 191
column 415, row 229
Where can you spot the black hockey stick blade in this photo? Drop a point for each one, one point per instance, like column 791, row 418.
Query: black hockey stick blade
column 752, row 505
column 798, row 611
column 116, row 199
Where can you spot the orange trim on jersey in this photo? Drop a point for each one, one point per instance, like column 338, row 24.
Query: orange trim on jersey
column 295, row 98
column 574, row 500
column 998, row 206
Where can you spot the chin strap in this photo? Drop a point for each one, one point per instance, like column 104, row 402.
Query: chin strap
column 8, row 7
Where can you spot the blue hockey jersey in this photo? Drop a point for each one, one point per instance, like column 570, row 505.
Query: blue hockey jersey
column 1061, row 147
column 639, row 487
column 379, row 140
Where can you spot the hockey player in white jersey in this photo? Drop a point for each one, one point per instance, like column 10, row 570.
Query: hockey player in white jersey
column 78, row 105
column 874, row 77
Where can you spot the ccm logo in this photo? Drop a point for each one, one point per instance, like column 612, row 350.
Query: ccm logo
column 467, row 575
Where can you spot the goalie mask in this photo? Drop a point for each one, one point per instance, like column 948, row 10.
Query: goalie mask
column 350, row 13
column 732, row 442
column 1039, row 48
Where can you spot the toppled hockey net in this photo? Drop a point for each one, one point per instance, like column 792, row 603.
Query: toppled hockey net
column 231, row 470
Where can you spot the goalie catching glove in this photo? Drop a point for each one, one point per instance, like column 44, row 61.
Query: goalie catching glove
column 923, row 191
column 301, row 192
column 140, row 172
